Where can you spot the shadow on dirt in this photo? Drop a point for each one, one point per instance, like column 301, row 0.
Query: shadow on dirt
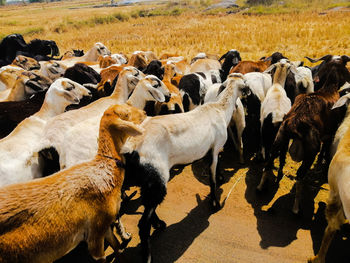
column 170, row 244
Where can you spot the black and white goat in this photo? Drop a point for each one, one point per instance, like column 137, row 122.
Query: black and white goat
column 180, row 139
column 194, row 86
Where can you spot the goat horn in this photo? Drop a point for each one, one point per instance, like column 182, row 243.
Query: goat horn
column 316, row 60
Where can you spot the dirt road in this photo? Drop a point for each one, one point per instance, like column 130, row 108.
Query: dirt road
column 250, row 228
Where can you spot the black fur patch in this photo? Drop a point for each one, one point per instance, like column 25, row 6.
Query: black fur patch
column 177, row 108
column 190, row 84
column 82, row 74
column 202, row 75
column 221, row 89
column 186, row 102
column 153, row 190
column 149, row 108
column 50, row 160
column 214, row 79
column 230, row 56
column 164, row 110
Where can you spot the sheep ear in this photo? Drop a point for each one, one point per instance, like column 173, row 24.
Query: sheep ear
column 157, row 95
column 293, row 69
column 128, row 127
column 268, row 70
column 342, row 101
column 71, row 97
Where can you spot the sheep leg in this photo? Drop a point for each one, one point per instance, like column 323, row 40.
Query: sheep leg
column 335, row 218
column 240, row 144
column 144, row 232
column 283, row 153
column 157, row 223
column 113, row 242
column 311, row 146
column 233, row 138
column 305, row 166
column 212, row 180
column 125, row 236
column 96, row 248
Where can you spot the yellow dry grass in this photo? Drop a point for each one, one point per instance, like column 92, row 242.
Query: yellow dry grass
column 78, row 25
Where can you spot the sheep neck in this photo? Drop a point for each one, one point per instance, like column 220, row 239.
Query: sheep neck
column 137, row 99
column 227, row 101
column 52, row 107
column 91, row 55
column 120, row 91
column 18, row 92
column 109, row 145
column 280, row 76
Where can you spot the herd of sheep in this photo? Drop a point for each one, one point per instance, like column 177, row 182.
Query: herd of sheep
column 78, row 131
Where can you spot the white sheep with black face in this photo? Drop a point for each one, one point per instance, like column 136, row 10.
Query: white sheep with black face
column 17, row 150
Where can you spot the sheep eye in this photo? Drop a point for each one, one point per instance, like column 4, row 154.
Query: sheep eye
column 71, row 87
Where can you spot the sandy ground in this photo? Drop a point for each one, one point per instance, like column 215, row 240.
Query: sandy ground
column 250, row 228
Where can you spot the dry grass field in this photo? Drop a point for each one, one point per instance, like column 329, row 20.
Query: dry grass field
column 298, row 30
column 77, row 25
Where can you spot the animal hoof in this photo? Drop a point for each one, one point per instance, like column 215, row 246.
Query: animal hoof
column 314, row 259
column 125, row 243
column 159, row 225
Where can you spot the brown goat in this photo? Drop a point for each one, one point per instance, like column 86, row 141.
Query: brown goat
column 26, row 63
column 308, row 123
column 43, row 219
column 250, row 66
column 174, row 105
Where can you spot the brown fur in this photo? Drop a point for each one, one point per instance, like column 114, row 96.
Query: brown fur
column 169, row 72
column 26, row 63
column 308, row 121
column 250, row 66
column 176, row 80
column 106, row 61
column 42, row 220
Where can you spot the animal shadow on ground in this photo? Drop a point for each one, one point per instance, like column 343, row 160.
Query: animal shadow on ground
column 277, row 225
column 170, row 244
column 227, row 164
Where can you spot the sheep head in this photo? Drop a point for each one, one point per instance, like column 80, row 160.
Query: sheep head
column 68, row 91
column 26, row 63
column 123, row 118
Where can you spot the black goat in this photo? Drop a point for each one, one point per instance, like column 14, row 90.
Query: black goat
column 232, row 57
column 13, row 45
column 155, row 68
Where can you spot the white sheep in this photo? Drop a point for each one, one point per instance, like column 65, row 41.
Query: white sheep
column 19, row 161
column 91, row 55
column 81, row 141
column 56, row 129
column 273, row 109
column 177, row 139
column 303, row 79
column 238, row 117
